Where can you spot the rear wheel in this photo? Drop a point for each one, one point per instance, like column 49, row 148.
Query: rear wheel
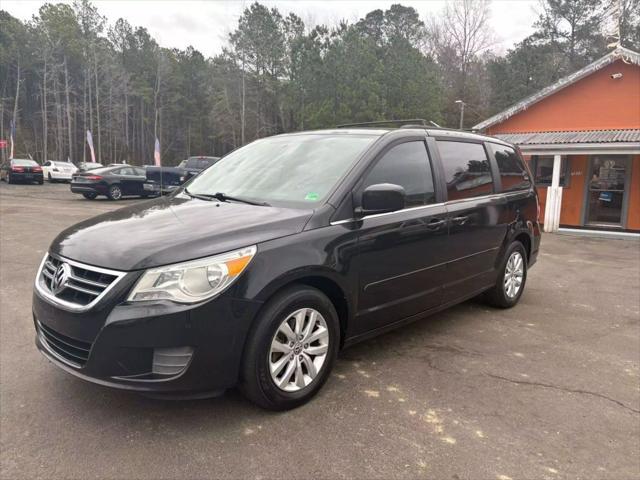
column 115, row 192
column 41, row 181
column 9, row 179
column 513, row 276
column 291, row 351
column 90, row 196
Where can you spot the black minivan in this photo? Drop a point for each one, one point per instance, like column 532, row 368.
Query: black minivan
column 259, row 270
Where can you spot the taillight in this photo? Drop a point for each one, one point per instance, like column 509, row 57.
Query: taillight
column 17, row 169
column 93, row 177
column 36, row 169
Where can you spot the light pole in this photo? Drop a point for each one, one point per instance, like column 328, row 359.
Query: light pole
column 462, row 104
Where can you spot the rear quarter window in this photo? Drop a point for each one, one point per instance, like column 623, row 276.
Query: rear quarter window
column 513, row 173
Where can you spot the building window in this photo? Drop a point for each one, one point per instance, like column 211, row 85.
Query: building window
column 542, row 167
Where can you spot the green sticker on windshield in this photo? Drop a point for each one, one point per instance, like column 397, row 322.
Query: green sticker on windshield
column 312, row 197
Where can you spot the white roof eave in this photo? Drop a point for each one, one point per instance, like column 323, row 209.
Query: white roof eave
column 619, row 53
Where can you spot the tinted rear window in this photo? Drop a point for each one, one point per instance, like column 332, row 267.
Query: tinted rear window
column 467, row 170
column 24, row 163
column 513, row 174
column 105, row 170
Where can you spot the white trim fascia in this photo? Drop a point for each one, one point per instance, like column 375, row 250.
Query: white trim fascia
column 617, row 54
column 582, row 148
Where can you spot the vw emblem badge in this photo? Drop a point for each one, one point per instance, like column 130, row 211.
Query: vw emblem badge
column 60, row 278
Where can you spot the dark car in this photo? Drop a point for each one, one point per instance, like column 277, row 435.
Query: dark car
column 285, row 251
column 112, row 182
column 21, row 170
column 161, row 180
column 195, row 165
column 164, row 179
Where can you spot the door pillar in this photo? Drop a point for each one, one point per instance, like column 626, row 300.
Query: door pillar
column 554, row 198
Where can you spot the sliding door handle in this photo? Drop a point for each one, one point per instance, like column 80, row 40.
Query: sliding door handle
column 435, row 224
column 460, row 220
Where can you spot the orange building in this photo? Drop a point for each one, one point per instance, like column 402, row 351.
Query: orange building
column 581, row 137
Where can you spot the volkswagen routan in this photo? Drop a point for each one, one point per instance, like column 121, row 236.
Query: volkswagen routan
column 258, row 271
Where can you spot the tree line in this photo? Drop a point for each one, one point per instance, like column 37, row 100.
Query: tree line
column 67, row 71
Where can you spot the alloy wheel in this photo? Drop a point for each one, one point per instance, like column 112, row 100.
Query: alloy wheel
column 513, row 275
column 115, row 192
column 298, row 349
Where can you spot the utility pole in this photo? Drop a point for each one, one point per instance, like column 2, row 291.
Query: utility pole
column 462, row 104
column 242, row 113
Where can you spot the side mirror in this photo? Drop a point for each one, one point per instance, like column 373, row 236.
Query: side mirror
column 381, row 198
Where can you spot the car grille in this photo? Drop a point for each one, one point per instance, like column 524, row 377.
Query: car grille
column 81, row 287
column 69, row 350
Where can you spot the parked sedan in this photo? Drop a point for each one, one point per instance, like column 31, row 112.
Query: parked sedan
column 21, row 170
column 112, row 182
column 58, row 171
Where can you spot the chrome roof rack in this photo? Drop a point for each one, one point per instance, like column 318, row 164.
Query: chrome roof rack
column 412, row 122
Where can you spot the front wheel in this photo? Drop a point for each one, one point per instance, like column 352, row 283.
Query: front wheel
column 512, row 278
column 115, row 192
column 291, row 351
column 49, row 177
column 90, row 196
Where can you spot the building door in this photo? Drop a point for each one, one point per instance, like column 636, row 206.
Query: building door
column 607, row 191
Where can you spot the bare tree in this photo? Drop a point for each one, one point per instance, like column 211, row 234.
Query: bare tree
column 457, row 37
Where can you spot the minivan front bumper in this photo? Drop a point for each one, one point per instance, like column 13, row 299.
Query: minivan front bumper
column 159, row 348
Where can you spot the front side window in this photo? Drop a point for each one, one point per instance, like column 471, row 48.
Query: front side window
column 406, row 165
column 297, row 170
column 542, row 167
column 513, row 173
column 466, row 169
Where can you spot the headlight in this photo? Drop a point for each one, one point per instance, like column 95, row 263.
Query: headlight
column 193, row 281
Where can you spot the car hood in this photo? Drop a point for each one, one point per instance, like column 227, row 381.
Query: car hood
column 173, row 229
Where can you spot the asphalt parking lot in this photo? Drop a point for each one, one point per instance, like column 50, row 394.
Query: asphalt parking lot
column 547, row 390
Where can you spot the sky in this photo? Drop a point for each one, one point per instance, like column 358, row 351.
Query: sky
column 206, row 24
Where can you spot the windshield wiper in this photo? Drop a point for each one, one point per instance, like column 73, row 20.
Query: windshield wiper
column 223, row 197
column 208, row 198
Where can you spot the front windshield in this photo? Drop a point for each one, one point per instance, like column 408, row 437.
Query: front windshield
column 298, row 170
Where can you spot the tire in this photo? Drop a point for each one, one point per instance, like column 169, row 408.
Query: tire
column 49, row 177
column 506, row 293
column 90, row 196
column 257, row 382
column 41, row 181
column 9, row 180
column 115, row 192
